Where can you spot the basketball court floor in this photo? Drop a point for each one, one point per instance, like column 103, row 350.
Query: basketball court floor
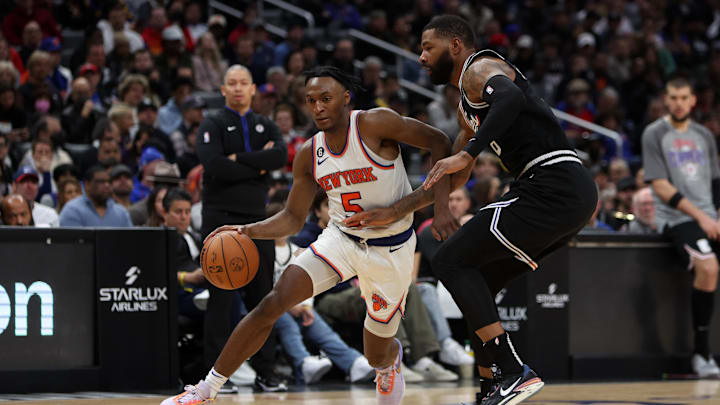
column 702, row 392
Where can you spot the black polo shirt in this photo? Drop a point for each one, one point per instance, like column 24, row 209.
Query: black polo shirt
column 238, row 186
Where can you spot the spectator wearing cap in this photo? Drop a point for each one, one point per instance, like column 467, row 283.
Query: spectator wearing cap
column 169, row 115
column 79, row 117
column 26, row 183
column 147, row 115
column 174, row 54
column 116, row 21
column 92, row 74
column 68, row 189
column 38, row 71
column 16, row 211
column 24, row 11
column 192, row 113
column 163, row 176
column 121, row 185
column 524, row 56
column 208, row 64
column 577, row 102
column 95, row 208
column 96, row 55
column 217, row 25
column 142, row 186
column 643, row 210
column 60, row 76
column 586, row 44
column 152, row 34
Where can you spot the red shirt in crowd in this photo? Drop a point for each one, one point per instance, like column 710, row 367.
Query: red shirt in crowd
column 14, row 23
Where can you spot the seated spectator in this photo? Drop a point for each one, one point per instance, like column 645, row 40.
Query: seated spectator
column 118, row 61
column 31, row 38
column 133, row 89
column 12, row 118
column 208, row 65
column 192, row 113
column 443, row 112
column 154, row 207
column 79, row 117
column 10, row 55
column 149, row 159
column 163, row 175
column 15, row 210
column 279, row 79
column 97, row 94
column 624, row 191
column 122, row 115
column 643, row 209
column 116, row 21
column 9, row 76
column 302, row 324
column 285, row 120
column 26, row 184
column 170, row 117
column 95, row 208
column 173, row 55
column 176, row 204
column 485, row 191
column 68, row 189
column 190, row 158
column 451, row 353
column 194, row 186
column 60, row 76
column 49, row 130
column 152, row 34
column 37, row 84
column 618, row 169
column 265, row 99
column 147, row 115
column 487, row 165
column 121, row 185
column 23, row 12
column 6, row 174
column 40, row 159
column 594, row 223
column 140, row 141
column 194, row 20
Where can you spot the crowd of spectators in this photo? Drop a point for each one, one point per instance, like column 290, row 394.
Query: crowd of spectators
column 100, row 101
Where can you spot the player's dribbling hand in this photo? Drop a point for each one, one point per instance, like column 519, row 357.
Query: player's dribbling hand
column 374, row 217
column 238, row 228
column 449, row 165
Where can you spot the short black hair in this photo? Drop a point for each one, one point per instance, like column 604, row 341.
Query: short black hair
column 63, row 169
column 680, row 82
column 91, row 172
column 175, row 194
column 450, row 26
column 349, row 82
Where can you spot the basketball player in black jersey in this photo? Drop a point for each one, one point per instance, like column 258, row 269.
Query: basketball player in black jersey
column 550, row 200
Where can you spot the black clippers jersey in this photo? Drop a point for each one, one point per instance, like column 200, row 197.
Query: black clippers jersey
column 534, row 132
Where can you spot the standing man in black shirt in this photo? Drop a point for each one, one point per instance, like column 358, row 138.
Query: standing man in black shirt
column 238, row 149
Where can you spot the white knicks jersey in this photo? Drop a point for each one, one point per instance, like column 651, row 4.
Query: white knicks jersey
column 357, row 179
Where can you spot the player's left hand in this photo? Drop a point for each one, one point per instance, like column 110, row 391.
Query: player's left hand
column 373, row 217
column 449, row 165
column 444, row 225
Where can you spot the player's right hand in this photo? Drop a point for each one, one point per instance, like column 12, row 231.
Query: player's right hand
column 710, row 226
column 374, row 217
column 237, row 228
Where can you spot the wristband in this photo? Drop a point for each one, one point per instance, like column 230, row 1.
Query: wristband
column 182, row 282
column 675, row 199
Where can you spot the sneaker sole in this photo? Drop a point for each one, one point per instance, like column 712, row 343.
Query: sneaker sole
column 526, row 393
column 318, row 374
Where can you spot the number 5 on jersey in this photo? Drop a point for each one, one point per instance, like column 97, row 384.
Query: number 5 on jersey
column 347, row 199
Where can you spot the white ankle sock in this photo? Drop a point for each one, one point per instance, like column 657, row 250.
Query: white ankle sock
column 215, row 381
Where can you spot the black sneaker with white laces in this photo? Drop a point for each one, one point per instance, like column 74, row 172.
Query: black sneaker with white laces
column 514, row 388
column 269, row 382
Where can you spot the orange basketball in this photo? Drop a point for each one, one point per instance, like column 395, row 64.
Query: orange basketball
column 229, row 260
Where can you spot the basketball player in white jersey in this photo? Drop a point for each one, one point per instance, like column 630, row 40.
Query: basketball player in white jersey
column 355, row 157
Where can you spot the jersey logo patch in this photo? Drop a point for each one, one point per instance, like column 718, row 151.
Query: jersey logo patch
column 320, row 152
column 489, row 89
column 259, row 128
column 322, row 161
column 378, row 302
column 206, row 137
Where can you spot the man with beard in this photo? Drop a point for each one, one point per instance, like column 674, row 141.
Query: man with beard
column 681, row 165
column 95, row 207
column 121, row 185
column 552, row 192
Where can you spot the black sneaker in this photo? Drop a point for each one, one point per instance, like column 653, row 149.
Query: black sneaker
column 515, row 388
column 228, row 388
column 270, row 383
column 487, row 387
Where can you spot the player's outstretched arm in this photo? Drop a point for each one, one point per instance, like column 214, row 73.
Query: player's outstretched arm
column 291, row 219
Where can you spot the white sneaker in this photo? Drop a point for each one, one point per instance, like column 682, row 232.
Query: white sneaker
column 193, row 395
column 314, row 368
column 705, row 368
column 200, row 300
column 454, row 354
column 245, row 375
column 410, row 375
column 432, row 371
column 361, row 371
